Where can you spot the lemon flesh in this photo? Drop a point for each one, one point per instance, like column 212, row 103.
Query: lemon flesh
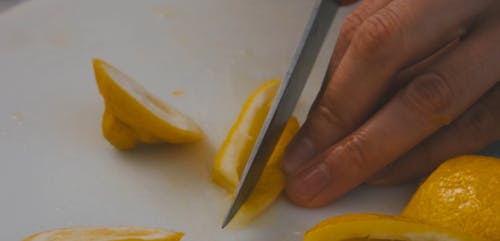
column 107, row 234
column 133, row 115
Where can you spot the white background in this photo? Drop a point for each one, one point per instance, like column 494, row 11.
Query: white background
column 56, row 168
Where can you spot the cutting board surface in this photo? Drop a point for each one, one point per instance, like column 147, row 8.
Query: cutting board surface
column 57, row 169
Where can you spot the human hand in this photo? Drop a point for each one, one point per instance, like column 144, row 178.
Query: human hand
column 410, row 84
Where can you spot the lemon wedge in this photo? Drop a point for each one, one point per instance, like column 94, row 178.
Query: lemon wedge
column 272, row 180
column 231, row 157
column 375, row 227
column 107, row 234
column 235, row 151
column 463, row 194
column 133, row 115
column 459, row 201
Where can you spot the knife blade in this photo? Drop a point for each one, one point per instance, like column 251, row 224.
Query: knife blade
column 285, row 101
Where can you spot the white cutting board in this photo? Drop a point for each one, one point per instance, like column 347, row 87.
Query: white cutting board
column 56, row 168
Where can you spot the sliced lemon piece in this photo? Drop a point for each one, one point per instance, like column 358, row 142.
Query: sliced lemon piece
column 133, row 115
column 373, row 227
column 462, row 195
column 272, row 180
column 235, row 151
column 107, row 234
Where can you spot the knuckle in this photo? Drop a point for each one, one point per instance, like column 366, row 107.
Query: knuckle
column 377, row 31
column 429, row 95
column 355, row 153
column 333, row 118
column 352, row 22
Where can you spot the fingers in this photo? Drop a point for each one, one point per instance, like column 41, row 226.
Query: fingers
column 350, row 25
column 395, row 36
column 301, row 149
column 432, row 100
column 477, row 128
column 404, row 76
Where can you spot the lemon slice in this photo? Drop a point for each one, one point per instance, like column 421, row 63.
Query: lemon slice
column 373, row 227
column 133, row 115
column 235, row 151
column 463, row 194
column 107, row 234
column 272, row 180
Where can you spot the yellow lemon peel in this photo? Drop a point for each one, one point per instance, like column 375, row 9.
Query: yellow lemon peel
column 462, row 195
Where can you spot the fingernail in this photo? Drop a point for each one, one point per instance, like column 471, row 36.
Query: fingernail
column 310, row 183
column 297, row 154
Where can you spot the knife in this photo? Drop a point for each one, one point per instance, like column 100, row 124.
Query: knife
column 284, row 103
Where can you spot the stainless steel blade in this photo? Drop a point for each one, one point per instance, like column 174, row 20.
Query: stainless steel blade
column 284, row 103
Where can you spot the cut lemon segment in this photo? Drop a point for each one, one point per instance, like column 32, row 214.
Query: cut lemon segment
column 373, row 227
column 133, row 115
column 236, row 149
column 107, row 234
column 462, row 195
column 272, row 180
